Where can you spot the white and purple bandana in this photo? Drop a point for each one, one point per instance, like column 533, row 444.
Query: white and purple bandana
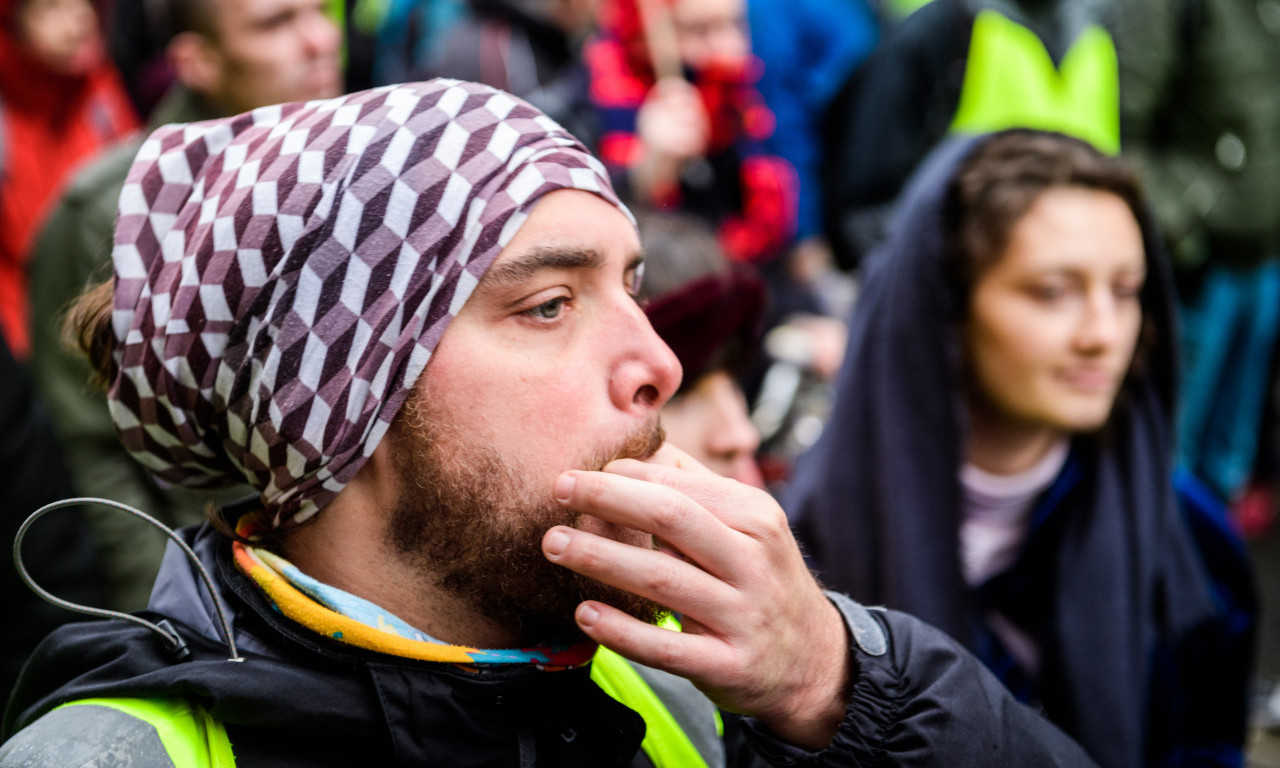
column 283, row 276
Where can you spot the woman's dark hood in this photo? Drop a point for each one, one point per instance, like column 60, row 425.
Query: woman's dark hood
column 876, row 502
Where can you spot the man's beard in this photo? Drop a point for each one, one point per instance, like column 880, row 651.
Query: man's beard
column 474, row 526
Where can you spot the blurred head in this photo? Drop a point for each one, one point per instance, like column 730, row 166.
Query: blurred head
column 61, row 34
column 711, row 31
column 1049, row 263
column 709, row 313
column 244, row 54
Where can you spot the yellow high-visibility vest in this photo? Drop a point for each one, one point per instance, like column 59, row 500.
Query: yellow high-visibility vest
column 194, row 739
column 1011, row 82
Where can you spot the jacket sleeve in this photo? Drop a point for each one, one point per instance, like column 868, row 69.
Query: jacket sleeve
column 920, row 699
column 86, row 736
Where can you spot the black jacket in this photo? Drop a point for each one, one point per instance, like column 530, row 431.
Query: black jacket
column 300, row 699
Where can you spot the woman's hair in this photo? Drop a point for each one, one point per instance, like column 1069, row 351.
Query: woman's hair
column 87, row 328
column 1003, row 177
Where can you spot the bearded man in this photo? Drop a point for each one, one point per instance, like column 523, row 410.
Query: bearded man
column 406, row 317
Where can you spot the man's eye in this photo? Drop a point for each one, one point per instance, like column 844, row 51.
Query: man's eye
column 548, row 310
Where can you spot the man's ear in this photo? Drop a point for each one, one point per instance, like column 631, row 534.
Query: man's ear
column 197, row 62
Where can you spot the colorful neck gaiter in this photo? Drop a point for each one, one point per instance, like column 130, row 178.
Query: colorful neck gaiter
column 355, row 621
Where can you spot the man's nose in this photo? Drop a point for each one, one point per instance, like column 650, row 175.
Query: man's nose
column 645, row 373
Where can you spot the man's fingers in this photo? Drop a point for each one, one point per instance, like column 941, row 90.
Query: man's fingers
column 743, row 508
column 679, row 653
column 665, row 512
column 670, row 456
column 650, row 573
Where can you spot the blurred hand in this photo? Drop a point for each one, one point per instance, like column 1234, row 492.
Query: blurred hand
column 759, row 637
column 674, row 128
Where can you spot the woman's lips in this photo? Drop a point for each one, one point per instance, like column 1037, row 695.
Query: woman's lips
column 1089, row 379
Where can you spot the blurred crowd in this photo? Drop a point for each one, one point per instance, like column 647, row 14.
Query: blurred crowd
column 1021, row 385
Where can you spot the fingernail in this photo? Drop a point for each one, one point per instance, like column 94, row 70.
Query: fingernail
column 564, row 486
column 555, row 543
column 587, row 615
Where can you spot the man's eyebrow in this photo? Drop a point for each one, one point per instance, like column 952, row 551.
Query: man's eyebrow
column 544, row 258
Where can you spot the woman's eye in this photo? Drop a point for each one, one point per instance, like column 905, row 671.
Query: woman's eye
column 1128, row 290
column 1048, row 291
column 548, row 310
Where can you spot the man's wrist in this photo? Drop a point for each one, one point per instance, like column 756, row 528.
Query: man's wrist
column 812, row 722
column 789, row 740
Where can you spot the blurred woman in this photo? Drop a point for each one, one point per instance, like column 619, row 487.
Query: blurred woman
column 60, row 101
column 998, row 461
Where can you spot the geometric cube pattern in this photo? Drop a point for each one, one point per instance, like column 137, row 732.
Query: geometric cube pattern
column 282, row 276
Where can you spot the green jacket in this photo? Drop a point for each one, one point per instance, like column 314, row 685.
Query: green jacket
column 1200, row 114
column 73, row 251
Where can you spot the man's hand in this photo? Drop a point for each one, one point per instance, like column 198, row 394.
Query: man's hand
column 759, row 636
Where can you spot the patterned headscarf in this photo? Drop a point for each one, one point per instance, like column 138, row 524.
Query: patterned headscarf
column 283, row 276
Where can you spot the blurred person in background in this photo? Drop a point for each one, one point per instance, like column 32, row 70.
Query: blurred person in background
column 1202, row 121
column 60, row 101
column 808, row 49
column 228, row 56
column 58, row 551
column 140, row 30
column 683, row 125
column 999, row 460
column 531, row 48
column 410, row 35
column 238, row 55
column 966, row 67
column 710, row 312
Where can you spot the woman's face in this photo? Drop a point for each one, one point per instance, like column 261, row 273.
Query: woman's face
column 1053, row 323
column 59, row 33
column 709, row 421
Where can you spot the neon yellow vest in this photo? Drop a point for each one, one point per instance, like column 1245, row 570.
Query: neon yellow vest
column 190, row 735
column 194, row 739
column 665, row 742
column 901, row 9
column 1010, row 82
